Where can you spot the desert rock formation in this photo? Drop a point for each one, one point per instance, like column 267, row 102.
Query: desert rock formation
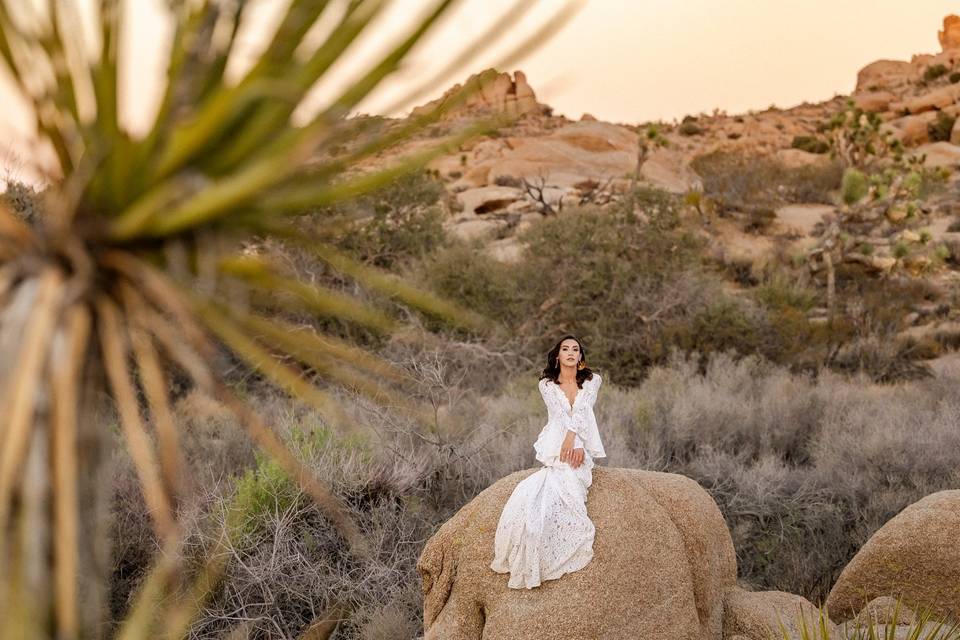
column 914, row 557
column 950, row 36
column 663, row 562
column 494, row 92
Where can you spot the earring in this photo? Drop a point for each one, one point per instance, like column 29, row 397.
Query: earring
column 582, row 365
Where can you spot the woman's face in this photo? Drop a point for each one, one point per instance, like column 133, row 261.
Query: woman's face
column 569, row 352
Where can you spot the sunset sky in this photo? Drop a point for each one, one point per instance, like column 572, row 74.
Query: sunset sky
column 620, row 60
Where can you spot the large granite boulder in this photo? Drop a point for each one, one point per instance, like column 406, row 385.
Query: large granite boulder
column 914, row 557
column 663, row 560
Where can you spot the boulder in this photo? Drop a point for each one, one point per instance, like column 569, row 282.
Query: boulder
column 914, row 557
column 802, row 219
column 663, row 561
column 765, row 615
column 491, row 91
column 955, row 132
column 798, row 158
column 475, row 229
column 950, row 36
column 488, row 199
column 913, row 129
column 874, row 100
column 939, row 154
column 885, row 610
column 884, row 74
column 568, row 155
column 669, row 170
column 937, row 99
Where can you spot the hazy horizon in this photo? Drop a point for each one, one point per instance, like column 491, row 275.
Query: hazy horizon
column 619, row 61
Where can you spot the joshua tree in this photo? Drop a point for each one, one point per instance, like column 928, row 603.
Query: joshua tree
column 113, row 286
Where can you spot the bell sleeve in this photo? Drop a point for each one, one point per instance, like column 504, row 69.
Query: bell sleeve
column 579, row 422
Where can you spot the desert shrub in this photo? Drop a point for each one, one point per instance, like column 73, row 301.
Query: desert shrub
column 954, row 77
column 690, row 128
column 934, row 71
column 940, row 129
column 854, row 186
column 804, row 469
column 811, row 144
column 605, row 274
column 792, row 460
column 22, row 199
column 401, row 221
column 463, row 272
column 738, row 180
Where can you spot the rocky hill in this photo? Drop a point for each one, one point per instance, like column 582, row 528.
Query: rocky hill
column 859, row 188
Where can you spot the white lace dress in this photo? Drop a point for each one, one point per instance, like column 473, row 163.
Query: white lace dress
column 544, row 531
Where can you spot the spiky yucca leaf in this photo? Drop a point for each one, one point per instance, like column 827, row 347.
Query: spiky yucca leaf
column 118, row 285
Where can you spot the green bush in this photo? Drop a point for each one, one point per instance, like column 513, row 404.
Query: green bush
column 940, row 129
column 403, row 220
column 934, row 71
column 811, row 144
column 854, row 186
column 464, row 273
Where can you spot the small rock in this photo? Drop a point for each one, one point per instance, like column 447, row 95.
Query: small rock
column 883, row 610
column 896, row 213
column 883, row 263
column 909, row 235
column 759, row 615
column 473, row 229
column 917, row 264
column 939, row 154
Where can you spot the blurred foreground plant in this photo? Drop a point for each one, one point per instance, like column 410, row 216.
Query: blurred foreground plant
column 920, row 626
column 117, row 284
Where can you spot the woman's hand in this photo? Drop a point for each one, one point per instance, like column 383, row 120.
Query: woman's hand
column 573, row 457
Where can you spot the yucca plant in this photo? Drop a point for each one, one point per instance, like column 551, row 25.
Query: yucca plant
column 117, row 284
column 920, row 626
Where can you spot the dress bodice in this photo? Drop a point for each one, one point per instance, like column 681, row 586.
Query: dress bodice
column 563, row 417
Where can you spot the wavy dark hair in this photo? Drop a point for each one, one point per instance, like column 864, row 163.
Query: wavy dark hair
column 552, row 370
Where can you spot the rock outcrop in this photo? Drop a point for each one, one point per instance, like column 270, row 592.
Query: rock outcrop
column 950, row 36
column 884, row 74
column 663, row 562
column 490, row 91
column 914, row 557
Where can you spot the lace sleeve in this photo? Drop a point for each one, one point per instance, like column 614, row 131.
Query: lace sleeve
column 585, row 404
column 556, row 406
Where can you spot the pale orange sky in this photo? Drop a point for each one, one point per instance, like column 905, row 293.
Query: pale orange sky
column 621, row 60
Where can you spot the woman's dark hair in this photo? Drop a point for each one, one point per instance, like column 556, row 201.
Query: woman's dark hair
column 552, row 370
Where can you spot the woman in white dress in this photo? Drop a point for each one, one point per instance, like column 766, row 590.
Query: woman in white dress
column 544, row 531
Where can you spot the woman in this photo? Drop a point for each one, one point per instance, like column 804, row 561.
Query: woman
column 544, row 531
